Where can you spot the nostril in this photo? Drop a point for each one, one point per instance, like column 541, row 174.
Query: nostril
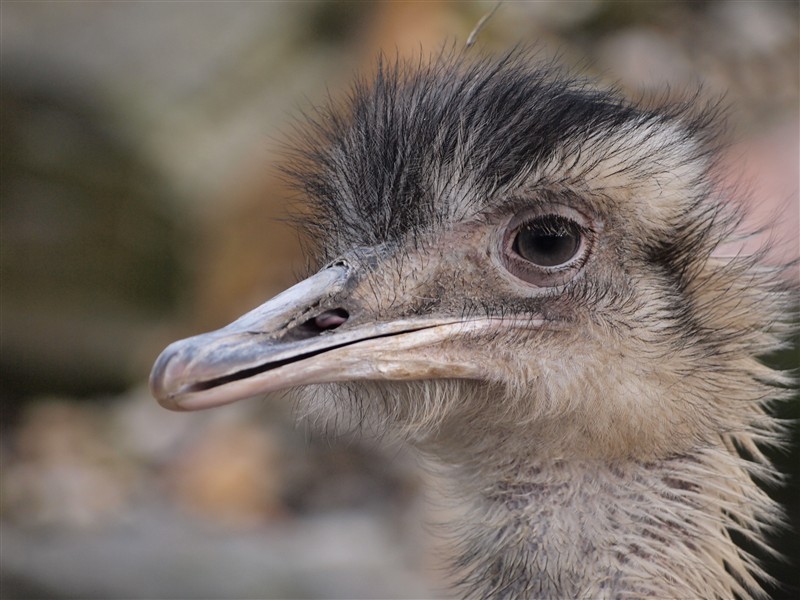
column 325, row 321
column 331, row 319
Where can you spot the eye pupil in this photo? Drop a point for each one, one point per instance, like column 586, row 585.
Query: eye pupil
column 548, row 241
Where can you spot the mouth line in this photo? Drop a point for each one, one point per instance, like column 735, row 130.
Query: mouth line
column 215, row 382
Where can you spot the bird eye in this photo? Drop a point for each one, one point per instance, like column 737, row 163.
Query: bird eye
column 548, row 241
column 547, row 249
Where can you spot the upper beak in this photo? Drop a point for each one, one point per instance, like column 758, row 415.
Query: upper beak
column 314, row 332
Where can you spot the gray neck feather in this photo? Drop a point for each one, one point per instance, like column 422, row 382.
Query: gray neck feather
column 593, row 530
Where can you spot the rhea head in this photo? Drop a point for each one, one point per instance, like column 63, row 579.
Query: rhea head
column 511, row 258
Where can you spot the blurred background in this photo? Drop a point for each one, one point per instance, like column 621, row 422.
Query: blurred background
column 141, row 203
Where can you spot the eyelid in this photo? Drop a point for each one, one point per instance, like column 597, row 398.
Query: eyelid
column 531, row 212
column 538, row 276
column 582, row 229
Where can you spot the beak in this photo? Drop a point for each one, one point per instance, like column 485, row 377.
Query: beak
column 314, row 332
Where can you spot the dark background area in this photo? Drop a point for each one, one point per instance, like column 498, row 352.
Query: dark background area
column 141, row 202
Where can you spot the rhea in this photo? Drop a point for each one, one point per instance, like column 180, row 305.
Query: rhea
column 519, row 274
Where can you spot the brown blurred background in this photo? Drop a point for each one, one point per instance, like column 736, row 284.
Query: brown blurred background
column 141, row 203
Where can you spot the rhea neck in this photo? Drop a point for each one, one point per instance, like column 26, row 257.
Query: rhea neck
column 593, row 528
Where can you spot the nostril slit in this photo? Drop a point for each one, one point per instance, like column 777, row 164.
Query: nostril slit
column 331, row 319
column 325, row 321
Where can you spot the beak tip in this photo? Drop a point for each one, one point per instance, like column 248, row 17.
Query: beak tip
column 160, row 382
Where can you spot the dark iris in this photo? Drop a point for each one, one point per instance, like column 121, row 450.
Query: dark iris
column 548, row 241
